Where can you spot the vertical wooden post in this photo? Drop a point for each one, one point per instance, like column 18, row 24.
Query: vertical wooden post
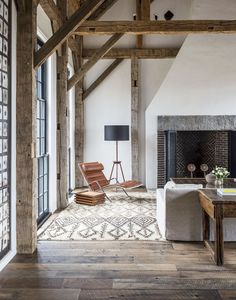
column 62, row 120
column 26, row 104
column 143, row 13
column 79, row 115
column 134, row 116
column 139, row 38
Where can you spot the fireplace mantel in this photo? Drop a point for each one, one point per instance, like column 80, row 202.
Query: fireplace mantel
column 204, row 122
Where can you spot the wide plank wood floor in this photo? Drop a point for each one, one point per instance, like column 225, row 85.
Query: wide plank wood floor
column 119, row 270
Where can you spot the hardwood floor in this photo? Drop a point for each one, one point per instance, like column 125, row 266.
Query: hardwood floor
column 119, row 270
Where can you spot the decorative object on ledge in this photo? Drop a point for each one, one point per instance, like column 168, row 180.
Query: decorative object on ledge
column 191, row 168
column 155, row 17
column 210, row 178
column 168, row 15
column 204, row 168
column 220, row 174
column 116, row 133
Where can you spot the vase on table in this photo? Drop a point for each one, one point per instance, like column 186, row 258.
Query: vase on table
column 219, row 183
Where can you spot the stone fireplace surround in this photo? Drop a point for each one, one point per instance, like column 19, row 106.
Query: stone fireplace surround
column 218, row 124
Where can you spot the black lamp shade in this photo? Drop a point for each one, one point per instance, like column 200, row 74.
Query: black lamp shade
column 116, row 132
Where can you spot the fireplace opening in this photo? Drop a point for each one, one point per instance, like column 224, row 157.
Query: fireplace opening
column 180, row 148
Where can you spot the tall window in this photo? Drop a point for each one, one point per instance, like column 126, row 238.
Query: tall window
column 5, row 128
column 42, row 154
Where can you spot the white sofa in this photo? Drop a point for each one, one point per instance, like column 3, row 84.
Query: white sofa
column 179, row 214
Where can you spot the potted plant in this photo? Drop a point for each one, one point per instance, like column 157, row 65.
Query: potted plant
column 220, row 174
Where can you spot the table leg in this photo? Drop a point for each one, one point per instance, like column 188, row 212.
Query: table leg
column 219, row 237
column 205, row 226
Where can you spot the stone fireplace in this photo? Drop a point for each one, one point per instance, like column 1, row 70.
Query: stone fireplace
column 182, row 140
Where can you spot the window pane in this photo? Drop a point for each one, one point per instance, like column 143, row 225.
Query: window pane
column 39, row 90
column 45, row 183
column 42, row 128
column 46, row 201
column 40, row 205
column 40, row 186
column 42, row 146
column 43, row 109
column 40, row 164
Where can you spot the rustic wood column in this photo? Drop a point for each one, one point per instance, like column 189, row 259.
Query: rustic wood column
column 135, row 95
column 79, row 113
column 26, row 162
column 62, row 120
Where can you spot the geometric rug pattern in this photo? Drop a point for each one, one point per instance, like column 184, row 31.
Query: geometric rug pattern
column 122, row 218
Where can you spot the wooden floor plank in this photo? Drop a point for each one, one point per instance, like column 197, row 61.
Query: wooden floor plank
column 149, row 295
column 39, row 294
column 174, row 283
column 228, row 294
column 119, row 270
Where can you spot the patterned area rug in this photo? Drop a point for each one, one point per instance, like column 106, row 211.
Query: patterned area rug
column 119, row 219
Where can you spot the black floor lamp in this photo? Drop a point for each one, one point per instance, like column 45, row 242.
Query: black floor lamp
column 116, row 133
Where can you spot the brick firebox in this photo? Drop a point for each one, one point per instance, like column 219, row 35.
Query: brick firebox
column 193, row 139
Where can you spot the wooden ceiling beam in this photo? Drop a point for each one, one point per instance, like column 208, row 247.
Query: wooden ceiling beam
column 93, row 60
column 73, row 6
column 100, row 79
column 52, row 11
column 98, row 13
column 64, row 32
column 144, row 53
column 143, row 13
column 103, row 8
column 157, row 27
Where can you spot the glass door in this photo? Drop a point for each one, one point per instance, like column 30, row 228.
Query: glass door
column 42, row 155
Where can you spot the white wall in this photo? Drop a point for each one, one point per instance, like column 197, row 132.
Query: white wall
column 200, row 82
column 110, row 102
column 12, row 252
column 108, row 106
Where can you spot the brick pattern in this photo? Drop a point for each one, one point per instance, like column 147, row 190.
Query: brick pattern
column 161, row 159
column 209, row 147
column 222, row 149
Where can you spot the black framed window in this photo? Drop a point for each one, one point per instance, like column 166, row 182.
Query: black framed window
column 42, row 153
column 5, row 127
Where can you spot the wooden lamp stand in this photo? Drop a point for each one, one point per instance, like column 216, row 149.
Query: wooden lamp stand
column 116, row 166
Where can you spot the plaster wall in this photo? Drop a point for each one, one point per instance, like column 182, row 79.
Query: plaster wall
column 201, row 80
column 110, row 102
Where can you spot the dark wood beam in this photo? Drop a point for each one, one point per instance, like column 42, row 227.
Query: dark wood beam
column 100, row 79
column 135, row 103
column 79, row 112
column 26, row 130
column 62, row 119
column 73, row 6
column 63, row 33
column 143, row 53
column 143, row 13
column 93, row 60
column 139, row 38
column 20, row 5
column 157, row 27
column 104, row 7
column 51, row 10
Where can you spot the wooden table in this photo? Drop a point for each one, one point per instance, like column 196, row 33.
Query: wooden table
column 216, row 208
